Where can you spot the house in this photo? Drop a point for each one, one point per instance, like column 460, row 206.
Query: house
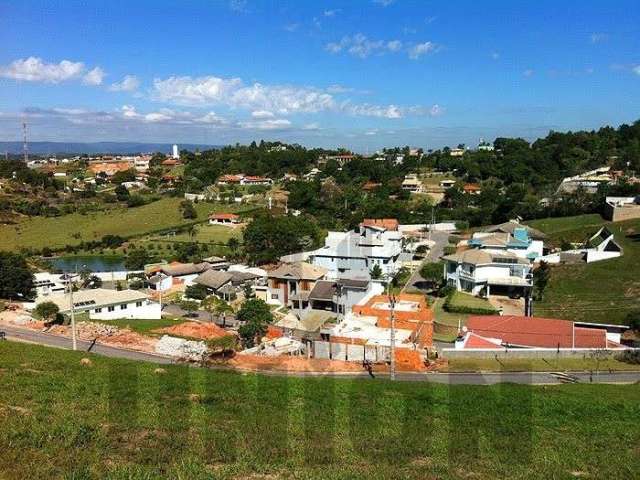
column 225, row 284
column 108, row 168
column 141, row 163
column 170, row 162
column 175, row 274
column 510, row 227
column 456, row 152
column 104, row 304
column 483, row 272
column 600, row 246
column 354, row 254
column 255, row 180
column 369, row 323
column 471, row 188
column 588, row 181
column 230, row 179
column 290, row 284
column 338, row 296
column 411, row 183
column 227, row 219
column 370, row 186
column 46, row 283
column 485, row 147
column 497, row 332
column 617, row 209
column 447, row 183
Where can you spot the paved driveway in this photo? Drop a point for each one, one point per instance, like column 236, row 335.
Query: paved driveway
column 441, row 240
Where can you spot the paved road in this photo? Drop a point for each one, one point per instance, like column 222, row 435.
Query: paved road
column 527, row 378
column 441, row 239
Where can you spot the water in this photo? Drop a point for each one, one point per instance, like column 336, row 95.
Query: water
column 95, row 263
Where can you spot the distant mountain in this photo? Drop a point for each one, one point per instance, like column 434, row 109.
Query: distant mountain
column 50, row 148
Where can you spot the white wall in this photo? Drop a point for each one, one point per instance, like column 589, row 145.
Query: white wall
column 148, row 310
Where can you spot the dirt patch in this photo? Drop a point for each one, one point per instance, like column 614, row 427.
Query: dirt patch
column 200, row 331
column 15, row 408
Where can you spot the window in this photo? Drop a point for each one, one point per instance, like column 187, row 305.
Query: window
column 138, row 304
column 97, row 310
column 274, row 296
column 123, row 306
column 111, row 308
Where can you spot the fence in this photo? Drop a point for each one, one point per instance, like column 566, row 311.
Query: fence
column 350, row 352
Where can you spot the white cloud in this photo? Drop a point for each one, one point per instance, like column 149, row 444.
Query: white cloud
column 129, row 83
column 360, row 46
column 430, row 20
column 436, row 110
column 421, row 49
column 636, row 69
column 528, row 72
column 394, row 45
column 380, row 111
column 598, row 37
column 311, row 126
column 94, row 77
column 194, row 91
column 495, row 55
column 238, row 5
column 292, row 27
column 262, row 114
column 33, row 69
column 383, row 3
column 212, row 118
column 272, row 124
column 338, row 89
column 331, row 13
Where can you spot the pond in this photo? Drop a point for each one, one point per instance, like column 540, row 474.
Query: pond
column 95, row 263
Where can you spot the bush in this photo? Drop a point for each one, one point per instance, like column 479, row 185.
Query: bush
column 197, row 291
column 455, row 304
column 629, row 356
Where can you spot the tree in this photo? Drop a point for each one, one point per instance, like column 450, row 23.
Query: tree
column 16, row 280
column 46, row 311
column 189, row 306
column 217, row 306
column 633, row 320
column 248, row 291
column 92, row 281
column 541, row 276
column 233, row 243
column 136, row 259
column 122, row 194
column 197, row 291
column 376, row 272
column 256, row 317
column 432, row 272
column 188, row 210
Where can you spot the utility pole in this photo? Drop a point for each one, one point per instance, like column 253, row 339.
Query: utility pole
column 25, row 149
column 392, row 305
column 73, row 316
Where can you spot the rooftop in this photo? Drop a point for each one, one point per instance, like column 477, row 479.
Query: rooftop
column 94, row 298
column 298, row 271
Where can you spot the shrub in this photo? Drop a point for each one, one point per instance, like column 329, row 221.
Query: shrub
column 454, row 304
column 629, row 356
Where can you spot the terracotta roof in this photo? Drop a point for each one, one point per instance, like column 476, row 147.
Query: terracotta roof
column 471, row 187
column 213, row 279
column 476, row 341
column 224, row 216
column 386, row 223
column 536, row 332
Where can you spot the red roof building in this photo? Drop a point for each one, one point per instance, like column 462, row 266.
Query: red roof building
column 390, row 224
column 472, row 188
column 497, row 332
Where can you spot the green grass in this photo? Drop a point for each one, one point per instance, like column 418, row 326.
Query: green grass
column 556, row 226
column 461, row 300
column 208, row 234
column 142, row 326
column 119, row 419
column 601, row 292
column 56, row 232
column 448, row 318
column 538, row 364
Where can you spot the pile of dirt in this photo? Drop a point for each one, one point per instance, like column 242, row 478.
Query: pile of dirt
column 201, row 331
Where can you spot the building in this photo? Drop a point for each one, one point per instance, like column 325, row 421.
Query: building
column 355, row 253
column 109, row 168
column 175, row 274
column 496, row 332
column 588, row 181
column 227, row 219
column 175, row 154
column 370, row 323
column 511, row 226
column 601, row 246
column 485, row 146
column 225, row 284
column 485, row 272
column 338, row 296
column 471, row 188
column 456, row 152
column 242, row 179
column 141, row 163
column 617, row 209
column 46, row 283
column 290, row 284
column 519, row 243
column 104, row 304
column 447, row 183
column 412, row 183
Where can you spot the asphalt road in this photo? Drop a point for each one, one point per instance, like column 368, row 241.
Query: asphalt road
column 526, row 378
column 441, row 239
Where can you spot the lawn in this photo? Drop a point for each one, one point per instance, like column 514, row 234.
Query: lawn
column 538, row 365
column 119, row 419
column 461, row 300
column 56, row 232
column 555, row 227
column 602, row 292
column 141, row 326
column 206, row 233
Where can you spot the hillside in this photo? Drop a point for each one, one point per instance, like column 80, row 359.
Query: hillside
column 603, row 292
column 119, row 419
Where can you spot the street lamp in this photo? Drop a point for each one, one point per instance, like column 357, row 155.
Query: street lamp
column 68, row 277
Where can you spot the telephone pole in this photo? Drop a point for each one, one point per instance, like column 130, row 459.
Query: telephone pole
column 25, row 149
column 392, row 305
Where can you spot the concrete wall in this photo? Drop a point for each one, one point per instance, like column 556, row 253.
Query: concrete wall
column 548, row 353
column 618, row 214
column 148, row 310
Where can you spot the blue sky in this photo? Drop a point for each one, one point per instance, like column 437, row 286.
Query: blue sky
column 359, row 74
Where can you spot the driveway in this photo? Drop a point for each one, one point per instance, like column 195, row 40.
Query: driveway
column 510, row 306
column 441, row 240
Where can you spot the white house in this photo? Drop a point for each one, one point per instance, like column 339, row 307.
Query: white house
column 227, row 219
column 354, row 254
column 601, row 246
column 519, row 243
column 47, row 283
column 104, row 304
column 175, row 274
column 412, row 183
column 479, row 271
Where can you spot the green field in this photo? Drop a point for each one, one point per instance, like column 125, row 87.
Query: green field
column 555, row 227
column 539, row 365
column 56, row 232
column 142, row 326
column 206, row 233
column 125, row 420
column 602, row 292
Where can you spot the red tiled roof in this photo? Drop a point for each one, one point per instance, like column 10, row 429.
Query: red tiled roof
column 224, row 216
column 386, row 223
column 170, row 161
column 230, row 178
column 537, row 332
column 471, row 187
column 250, row 178
column 476, row 341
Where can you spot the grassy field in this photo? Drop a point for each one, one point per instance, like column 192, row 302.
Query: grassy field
column 538, row 365
column 56, row 232
column 603, row 292
column 142, row 326
column 125, row 420
column 554, row 227
column 206, row 234
column 465, row 300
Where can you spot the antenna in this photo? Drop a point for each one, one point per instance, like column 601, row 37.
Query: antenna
column 25, row 148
